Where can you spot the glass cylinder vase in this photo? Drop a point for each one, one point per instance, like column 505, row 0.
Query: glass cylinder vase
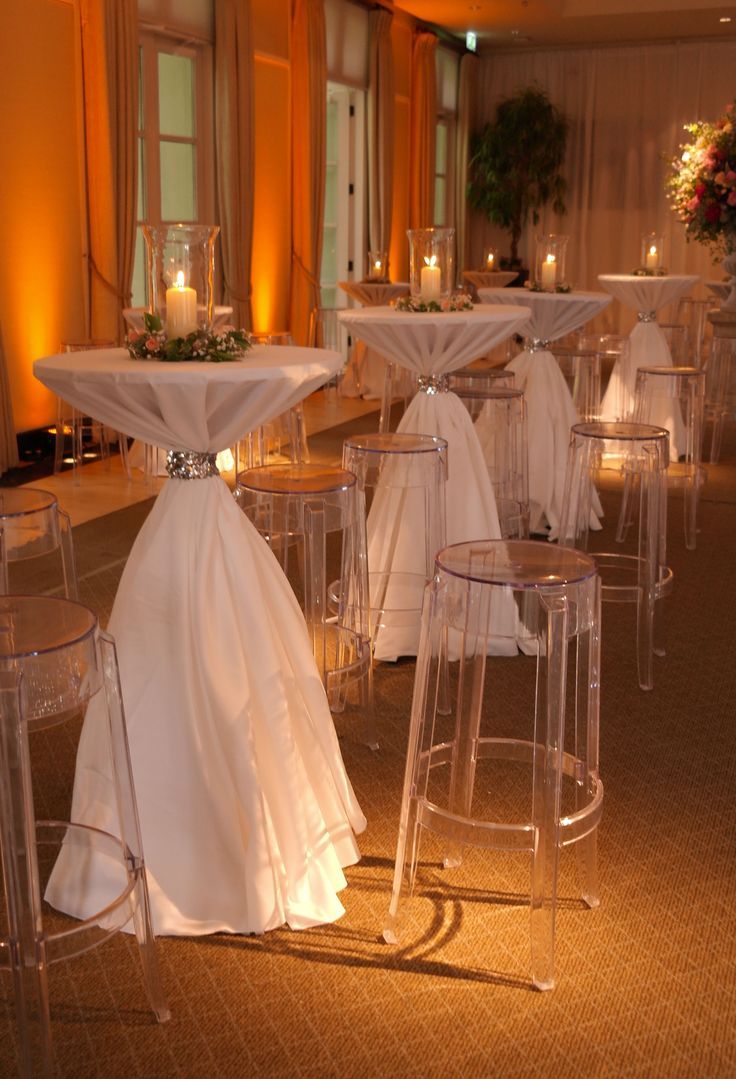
column 431, row 263
column 180, row 276
column 652, row 252
column 549, row 262
column 377, row 266
column 490, row 262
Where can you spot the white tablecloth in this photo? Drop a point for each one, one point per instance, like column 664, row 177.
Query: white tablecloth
column 432, row 344
column 649, row 348
column 366, row 370
column 550, row 411
column 247, row 814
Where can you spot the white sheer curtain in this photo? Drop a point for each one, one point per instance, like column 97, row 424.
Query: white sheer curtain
column 627, row 107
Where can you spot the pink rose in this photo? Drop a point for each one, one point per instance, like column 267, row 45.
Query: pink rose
column 133, row 336
column 151, row 344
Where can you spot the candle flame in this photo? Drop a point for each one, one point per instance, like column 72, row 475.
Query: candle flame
column 431, row 261
column 377, row 264
column 653, row 249
column 550, row 258
column 180, row 279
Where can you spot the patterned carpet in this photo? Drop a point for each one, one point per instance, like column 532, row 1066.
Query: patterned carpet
column 646, row 984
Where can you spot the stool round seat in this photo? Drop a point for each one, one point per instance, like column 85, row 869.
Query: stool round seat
column 297, row 506
column 457, row 767
column 638, row 455
column 32, row 524
column 55, row 661
column 475, row 378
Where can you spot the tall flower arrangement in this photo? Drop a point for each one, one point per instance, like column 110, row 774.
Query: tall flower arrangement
column 702, row 183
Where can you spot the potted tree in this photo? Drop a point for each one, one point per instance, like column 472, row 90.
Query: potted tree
column 516, row 162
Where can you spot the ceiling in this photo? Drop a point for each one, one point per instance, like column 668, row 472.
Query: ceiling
column 508, row 24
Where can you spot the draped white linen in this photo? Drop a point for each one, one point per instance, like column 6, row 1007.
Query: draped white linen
column 366, row 370
column 434, row 344
column 649, row 348
column 247, row 814
column 550, row 411
column 627, row 106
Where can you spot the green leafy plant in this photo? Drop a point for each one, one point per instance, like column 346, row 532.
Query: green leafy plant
column 152, row 344
column 516, row 162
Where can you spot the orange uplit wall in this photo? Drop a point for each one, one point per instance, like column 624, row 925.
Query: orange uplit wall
column 41, row 257
column 271, row 256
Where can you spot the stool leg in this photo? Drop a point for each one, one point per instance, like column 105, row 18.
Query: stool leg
column 315, row 554
column 384, row 418
column 4, row 574
column 587, row 713
column 429, row 663
column 60, row 438
column 547, row 779
column 650, row 493
column 130, row 832
column 68, row 563
column 26, row 953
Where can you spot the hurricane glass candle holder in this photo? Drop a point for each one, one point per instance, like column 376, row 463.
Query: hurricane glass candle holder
column 490, row 260
column 652, row 253
column 180, row 271
column 377, row 266
column 431, row 263
column 549, row 262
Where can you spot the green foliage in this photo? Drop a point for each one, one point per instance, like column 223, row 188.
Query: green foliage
column 153, row 344
column 516, row 162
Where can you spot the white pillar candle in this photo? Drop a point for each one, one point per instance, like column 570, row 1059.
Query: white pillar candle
column 549, row 273
column 652, row 258
column 430, row 285
column 181, row 309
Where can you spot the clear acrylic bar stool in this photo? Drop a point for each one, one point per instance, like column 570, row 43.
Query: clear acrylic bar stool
column 398, row 383
column 612, row 349
column 73, row 424
column 693, row 315
column 455, row 767
column 677, row 341
column 499, row 418
column 720, row 390
column 410, row 472
column 32, row 524
column 54, row 659
column 286, row 435
column 638, row 455
column 581, row 368
column 677, row 393
column 296, row 508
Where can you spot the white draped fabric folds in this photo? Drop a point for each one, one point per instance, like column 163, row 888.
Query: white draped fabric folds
column 366, row 370
column 432, row 345
column 247, row 814
column 550, row 411
column 648, row 347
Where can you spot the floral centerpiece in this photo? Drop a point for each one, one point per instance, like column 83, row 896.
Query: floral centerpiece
column 459, row 301
column 151, row 343
column 702, row 187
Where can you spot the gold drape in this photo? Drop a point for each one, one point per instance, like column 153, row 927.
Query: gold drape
column 309, row 121
column 109, row 31
column 234, row 151
column 466, row 92
column 423, row 130
column 380, row 130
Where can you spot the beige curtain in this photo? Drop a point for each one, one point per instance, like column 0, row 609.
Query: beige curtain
column 465, row 98
column 110, row 87
column 309, row 121
column 8, row 441
column 627, row 106
column 234, row 151
column 423, row 130
column 380, row 129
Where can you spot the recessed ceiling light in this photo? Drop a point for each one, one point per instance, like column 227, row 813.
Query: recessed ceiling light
column 725, row 18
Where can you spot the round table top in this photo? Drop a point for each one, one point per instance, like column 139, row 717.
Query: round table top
column 375, row 293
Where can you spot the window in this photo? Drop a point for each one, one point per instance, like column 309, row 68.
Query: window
column 343, row 238
column 174, row 140
column 444, row 170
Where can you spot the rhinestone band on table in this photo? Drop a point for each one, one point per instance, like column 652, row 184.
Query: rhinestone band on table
column 184, row 465
column 646, row 316
column 433, row 384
